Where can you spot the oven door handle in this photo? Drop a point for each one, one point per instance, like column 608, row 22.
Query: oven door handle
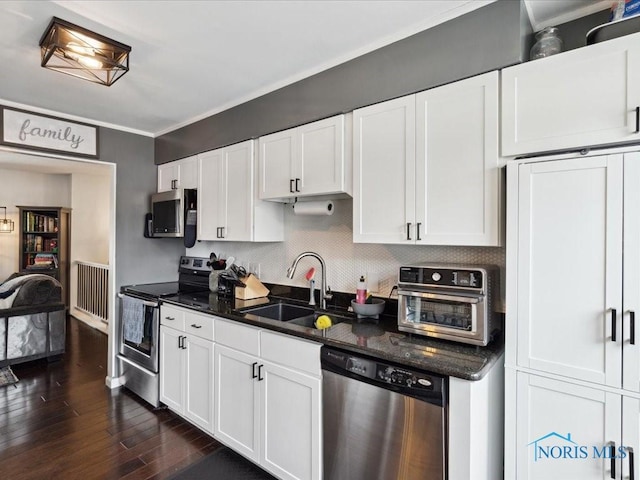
column 440, row 296
column 144, row 302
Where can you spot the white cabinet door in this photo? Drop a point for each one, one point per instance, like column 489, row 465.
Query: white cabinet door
column 276, row 157
column 171, row 368
column 569, row 280
column 237, row 185
column 237, row 411
column 458, row 181
column 320, row 167
column 188, row 175
column 561, row 426
column 631, row 436
column 211, row 167
column 168, row 175
column 584, row 97
column 199, row 375
column 384, row 172
column 630, row 339
column 291, row 434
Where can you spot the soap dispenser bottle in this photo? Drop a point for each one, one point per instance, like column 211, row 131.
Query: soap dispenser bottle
column 361, row 290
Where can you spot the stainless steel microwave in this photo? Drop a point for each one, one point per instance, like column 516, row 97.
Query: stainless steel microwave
column 168, row 211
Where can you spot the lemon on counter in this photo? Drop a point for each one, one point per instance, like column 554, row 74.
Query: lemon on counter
column 323, row 321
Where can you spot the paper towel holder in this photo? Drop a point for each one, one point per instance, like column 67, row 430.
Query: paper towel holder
column 313, row 207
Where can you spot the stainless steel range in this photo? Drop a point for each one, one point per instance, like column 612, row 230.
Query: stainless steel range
column 139, row 330
column 453, row 302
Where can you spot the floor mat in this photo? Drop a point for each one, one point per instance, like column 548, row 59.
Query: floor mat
column 7, row 377
column 223, row 464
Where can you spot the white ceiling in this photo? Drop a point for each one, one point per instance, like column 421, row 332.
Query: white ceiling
column 191, row 59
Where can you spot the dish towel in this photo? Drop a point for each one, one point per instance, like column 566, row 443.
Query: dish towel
column 132, row 319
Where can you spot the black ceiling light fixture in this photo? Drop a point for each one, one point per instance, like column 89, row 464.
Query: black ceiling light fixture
column 70, row 49
column 6, row 226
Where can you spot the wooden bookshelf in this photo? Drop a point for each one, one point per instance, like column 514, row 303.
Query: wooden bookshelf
column 44, row 243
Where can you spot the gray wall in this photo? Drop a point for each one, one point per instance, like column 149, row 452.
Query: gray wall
column 486, row 39
column 138, row 259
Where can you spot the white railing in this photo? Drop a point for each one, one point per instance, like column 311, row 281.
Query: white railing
column 93, row 289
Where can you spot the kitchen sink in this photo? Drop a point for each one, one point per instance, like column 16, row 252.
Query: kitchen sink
column 292, row 314
column 280, row 311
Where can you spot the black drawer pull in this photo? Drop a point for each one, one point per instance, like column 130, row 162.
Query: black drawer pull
column 196, row 326
column 169, row 318
column 613, row 460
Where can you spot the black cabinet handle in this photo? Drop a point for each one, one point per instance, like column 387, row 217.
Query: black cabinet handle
column 632, row 327
column 614, row 315
column 291, row 185
column 260, row 377
column 613, row 460
column 408, row 230
column 180, row 341
column 418, row 231
column 637, row 119
column 253, row 370
column 297, row 186
column 196, row 326
column 632, row 473
column 222, row 232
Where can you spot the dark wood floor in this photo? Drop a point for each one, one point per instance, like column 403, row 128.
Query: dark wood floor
column 61, row 422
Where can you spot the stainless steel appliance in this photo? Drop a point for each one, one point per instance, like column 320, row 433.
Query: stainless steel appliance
column 139, row 360
column 381, row 421
column 168, row 210
column 450, row 302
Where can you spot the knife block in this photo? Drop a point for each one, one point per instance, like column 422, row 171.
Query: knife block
column 253, row 288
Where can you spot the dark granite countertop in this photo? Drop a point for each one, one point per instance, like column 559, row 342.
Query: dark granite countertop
column 379, row 339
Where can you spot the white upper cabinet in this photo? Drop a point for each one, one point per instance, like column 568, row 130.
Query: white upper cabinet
column 384, row 166
column 179, row 174
column 585, row 97
column 310, row 160
column 426, row 167
column 458, row 180
column 228, row 209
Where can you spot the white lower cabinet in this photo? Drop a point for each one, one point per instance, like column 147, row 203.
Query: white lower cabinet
column 268, row 411
column 566, row 431
column 186, row 368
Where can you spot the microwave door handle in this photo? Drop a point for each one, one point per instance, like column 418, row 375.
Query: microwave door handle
column 440, row 296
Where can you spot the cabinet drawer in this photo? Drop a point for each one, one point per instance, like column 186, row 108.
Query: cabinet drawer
column 172, row 316
column 199, row 325
column 238, row 336
column 291, row 352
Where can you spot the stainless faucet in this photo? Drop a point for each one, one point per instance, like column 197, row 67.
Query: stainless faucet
column 325, row 292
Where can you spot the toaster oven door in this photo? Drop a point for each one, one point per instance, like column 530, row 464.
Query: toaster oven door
column 452, row 317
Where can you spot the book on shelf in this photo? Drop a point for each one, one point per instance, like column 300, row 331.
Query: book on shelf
column 43, row 261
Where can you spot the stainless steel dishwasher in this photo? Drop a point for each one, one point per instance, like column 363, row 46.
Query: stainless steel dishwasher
column 381, row 421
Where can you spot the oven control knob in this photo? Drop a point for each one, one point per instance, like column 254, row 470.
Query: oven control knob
column 435, row 276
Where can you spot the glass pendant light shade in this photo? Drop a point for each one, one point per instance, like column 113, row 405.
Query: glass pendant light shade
column 76, row 51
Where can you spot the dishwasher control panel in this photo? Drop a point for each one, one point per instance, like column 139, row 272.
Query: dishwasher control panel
column 385, row 375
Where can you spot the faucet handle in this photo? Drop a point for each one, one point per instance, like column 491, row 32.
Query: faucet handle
column 328, row 295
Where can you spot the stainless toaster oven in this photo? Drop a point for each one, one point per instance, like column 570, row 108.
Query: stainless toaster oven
column 449, row 302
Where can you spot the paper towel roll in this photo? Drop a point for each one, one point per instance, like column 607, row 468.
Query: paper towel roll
column 313, row 208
